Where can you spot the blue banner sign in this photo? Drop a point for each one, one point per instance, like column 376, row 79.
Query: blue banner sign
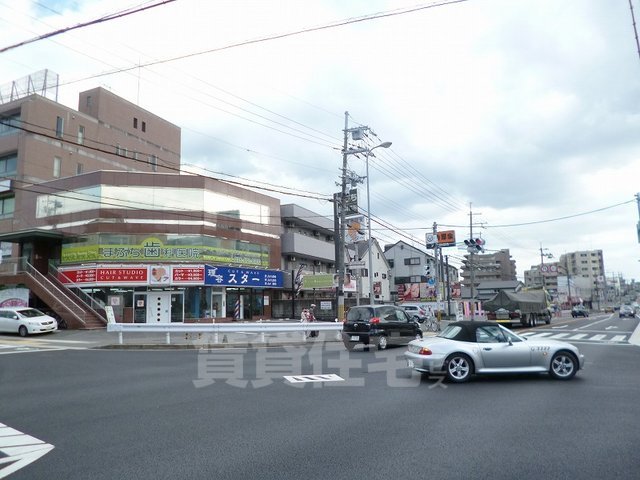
column 242, row 277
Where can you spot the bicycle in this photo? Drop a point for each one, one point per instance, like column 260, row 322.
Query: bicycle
column 431, row 324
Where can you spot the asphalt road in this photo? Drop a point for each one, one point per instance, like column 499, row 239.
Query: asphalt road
column 112, row 414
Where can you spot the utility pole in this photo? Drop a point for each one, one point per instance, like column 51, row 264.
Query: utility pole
column 343, row 196
column 448, row 283
column 472, row 275
column 435, row 266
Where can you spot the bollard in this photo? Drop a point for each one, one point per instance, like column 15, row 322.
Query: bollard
column 168, row 338
column 120, row 337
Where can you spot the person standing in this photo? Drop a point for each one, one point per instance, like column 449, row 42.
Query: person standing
column 312, row 318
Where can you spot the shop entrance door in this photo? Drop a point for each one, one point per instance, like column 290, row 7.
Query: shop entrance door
column 159, row 307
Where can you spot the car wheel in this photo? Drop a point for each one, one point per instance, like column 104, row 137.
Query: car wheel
column 349, row 346
column 563, row 366
column 458, row 368
column 382, row 342
column 22, row 331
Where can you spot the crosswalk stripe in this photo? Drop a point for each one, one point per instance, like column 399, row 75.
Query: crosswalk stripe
column 619, row 338
column 578, row 336
column 560, row 335
column 598, row 337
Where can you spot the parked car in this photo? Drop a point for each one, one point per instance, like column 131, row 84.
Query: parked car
column 466, row 348
column 379, row 325
column 579, row 311
column 25, row 321
column 626, row 311
column 608, row 309
column 415, row 311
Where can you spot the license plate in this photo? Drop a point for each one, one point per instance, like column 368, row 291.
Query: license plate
column 355, row 338
column 410, row 363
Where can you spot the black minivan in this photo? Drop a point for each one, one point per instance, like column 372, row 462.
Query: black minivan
column 379, row 325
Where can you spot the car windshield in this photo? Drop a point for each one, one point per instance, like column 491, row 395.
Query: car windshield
column 30, row 313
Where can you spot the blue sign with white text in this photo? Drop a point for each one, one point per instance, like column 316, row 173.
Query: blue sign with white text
column 242, row 277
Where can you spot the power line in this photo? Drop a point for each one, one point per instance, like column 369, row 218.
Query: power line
column 106, row 18
column 275, row 37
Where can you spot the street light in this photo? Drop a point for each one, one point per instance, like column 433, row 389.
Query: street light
column 369, row 244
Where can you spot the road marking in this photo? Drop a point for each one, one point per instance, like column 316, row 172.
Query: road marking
column 610, row 327
column 578, row 336
column 591, row 324
column 19, row 449
column 619, row 338
column 598, row 337
column 560, row 335
column 560, row 326
column 314, row 378
column 540, row 335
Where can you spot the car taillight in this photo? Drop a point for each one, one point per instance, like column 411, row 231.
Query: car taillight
column 375, row 320
column 424, row 351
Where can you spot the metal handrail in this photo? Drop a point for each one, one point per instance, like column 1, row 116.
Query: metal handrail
column 42, row 281
column 86, row 299
column 217, row 328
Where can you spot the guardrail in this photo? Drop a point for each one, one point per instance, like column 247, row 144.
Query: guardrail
column 218, row 328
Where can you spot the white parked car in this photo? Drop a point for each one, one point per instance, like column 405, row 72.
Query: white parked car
column 25, row 321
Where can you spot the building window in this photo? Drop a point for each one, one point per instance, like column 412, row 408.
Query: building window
column 59, row 127
column 135, row 122
column 81, row 135
column 153, row 161
column 7, row 206
column 89, row 101
column 144, row 126
column 8, row 123
column 79, row 168
column 8, row 165
column 57, row 167
column 412, row 261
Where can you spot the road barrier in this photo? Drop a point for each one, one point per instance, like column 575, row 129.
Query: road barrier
column 222, row 328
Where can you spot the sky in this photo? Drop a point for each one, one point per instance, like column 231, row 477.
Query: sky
column 513, row 117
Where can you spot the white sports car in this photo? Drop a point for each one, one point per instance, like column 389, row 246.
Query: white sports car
column 466, row 348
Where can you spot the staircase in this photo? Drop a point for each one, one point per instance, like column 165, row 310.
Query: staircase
column 75, row 311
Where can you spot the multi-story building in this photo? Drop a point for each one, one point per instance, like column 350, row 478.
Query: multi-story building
column 413, row 274
column 578, row 277
column 488, row 268
column 93, row 205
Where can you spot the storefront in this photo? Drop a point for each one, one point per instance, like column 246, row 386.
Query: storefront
column 164, row 293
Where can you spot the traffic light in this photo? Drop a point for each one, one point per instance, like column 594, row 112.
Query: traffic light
column 475, row 245
column 427, row 269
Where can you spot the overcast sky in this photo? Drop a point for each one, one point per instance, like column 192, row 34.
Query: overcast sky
column 524, row 112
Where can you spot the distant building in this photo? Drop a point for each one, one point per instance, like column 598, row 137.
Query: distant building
column 578, row 277
column 413, row 271
column 498, row 266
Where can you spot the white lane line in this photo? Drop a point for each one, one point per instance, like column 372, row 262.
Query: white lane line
column 313, row 378
column 598, row 337
column 619, row 338
column 19, row 450
column 560, row 326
